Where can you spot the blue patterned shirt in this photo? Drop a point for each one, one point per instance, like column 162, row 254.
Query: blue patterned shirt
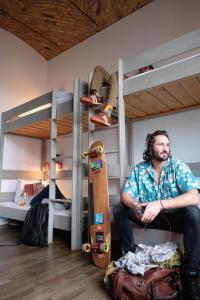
column 176, row 178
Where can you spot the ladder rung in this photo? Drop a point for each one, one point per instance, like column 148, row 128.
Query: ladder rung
column 112, row 152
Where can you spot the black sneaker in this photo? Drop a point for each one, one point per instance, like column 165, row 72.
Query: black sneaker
column 191, row 290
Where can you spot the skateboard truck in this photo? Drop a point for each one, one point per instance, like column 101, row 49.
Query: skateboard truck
column 97, row 248
column 94, row 153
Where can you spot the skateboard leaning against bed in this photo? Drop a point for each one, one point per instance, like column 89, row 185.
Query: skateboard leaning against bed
column 98, row 207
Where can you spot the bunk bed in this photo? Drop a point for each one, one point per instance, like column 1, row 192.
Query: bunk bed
column 49, row 116
column 167, row 89
column 164, row 90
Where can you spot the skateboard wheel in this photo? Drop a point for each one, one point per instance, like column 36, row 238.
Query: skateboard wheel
column 86, row 247
column 84, row 155
column 104, row 247
column 100, row 149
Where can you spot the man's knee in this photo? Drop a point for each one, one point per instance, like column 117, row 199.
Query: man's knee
column 118, row 210
column 192, row 213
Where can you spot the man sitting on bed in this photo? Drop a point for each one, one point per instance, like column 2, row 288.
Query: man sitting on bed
column 102, row 78
column 164, row 188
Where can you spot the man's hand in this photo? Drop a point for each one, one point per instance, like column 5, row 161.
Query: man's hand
column 137, row 210
column 127, row 200
column 152, row 209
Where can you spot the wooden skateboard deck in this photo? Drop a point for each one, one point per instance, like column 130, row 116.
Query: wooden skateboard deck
column 98, row 206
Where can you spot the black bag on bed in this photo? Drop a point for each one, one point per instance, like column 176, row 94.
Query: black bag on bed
column 45, row 194
column 35, row 228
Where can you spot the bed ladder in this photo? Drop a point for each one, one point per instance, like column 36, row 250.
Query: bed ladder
column 122, row 151
column 52, row 175
column 80, row 89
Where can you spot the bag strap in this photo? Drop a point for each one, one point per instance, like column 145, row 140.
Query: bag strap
column 176, row 280
column 117, row 287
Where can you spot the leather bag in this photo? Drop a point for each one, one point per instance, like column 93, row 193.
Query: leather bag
column 156, row 284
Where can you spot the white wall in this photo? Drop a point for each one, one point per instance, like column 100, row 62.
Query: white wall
column 183, row 129
column 157, row 22
column 23, row 77
column 23, row 73
column 20, row 153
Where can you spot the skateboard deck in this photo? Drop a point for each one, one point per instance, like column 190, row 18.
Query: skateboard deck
column 98, row 206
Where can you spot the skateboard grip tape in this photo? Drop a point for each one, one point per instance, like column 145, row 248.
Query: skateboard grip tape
column 91, row 204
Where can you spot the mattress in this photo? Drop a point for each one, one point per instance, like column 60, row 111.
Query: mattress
column 62, row 218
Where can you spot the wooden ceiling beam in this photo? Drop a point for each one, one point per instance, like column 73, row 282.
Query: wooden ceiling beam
column 52, row 27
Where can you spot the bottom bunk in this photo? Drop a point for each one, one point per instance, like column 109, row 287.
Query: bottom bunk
column 62, row 217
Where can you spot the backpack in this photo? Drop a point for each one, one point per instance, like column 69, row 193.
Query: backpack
column 35, row 228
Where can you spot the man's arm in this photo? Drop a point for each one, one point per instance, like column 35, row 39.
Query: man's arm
column 130, row 202
column 186, row 199
column 152, row 209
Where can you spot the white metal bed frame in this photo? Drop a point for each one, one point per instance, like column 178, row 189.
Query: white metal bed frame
column 10, row 121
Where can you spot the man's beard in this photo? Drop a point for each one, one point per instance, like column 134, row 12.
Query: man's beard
column 160, row 156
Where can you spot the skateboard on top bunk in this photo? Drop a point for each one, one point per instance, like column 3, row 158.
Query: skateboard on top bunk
column 99, row 235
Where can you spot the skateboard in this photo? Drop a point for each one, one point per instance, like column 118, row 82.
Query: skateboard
column 98, row 207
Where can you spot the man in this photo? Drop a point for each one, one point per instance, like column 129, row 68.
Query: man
column 164, row 188
column 102, row 78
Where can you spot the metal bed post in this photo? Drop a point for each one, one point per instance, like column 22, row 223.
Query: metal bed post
column 91, row 126
column 52, row 179
column 122, row 129
column 43, row 160
column 1, row 148
column 76, row 212
column 131, row 143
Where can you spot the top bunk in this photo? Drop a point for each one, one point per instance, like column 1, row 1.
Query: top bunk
column 33, row 118
column 172, row 86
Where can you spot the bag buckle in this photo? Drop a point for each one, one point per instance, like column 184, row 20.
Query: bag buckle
column 140, row 283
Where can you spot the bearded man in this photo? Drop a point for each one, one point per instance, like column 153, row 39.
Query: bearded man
column 163, row 187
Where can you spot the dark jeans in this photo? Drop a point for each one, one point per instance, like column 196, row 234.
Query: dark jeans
column 185, row 220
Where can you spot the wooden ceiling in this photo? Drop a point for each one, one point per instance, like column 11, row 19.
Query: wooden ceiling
column 54, row 26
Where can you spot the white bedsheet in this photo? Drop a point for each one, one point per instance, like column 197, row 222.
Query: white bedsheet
column 62, row 218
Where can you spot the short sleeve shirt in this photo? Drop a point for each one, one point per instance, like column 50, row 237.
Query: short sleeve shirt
column 176, row 178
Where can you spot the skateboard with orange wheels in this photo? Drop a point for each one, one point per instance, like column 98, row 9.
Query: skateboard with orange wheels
column 99, row 244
